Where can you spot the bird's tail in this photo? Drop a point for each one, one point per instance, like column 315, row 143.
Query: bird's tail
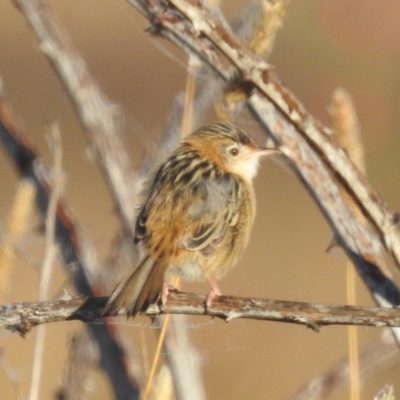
column 139, row 290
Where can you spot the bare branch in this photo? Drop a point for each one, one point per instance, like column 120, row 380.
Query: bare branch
column 22, row 317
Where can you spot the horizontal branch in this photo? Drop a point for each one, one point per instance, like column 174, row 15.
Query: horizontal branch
column 22, row 317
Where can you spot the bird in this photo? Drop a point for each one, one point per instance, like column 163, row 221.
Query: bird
column 196, row 217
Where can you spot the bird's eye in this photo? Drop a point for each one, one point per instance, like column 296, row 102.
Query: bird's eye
column 234, row 151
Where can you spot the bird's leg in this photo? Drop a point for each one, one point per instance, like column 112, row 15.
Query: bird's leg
column 165, row 291
column 213, row 292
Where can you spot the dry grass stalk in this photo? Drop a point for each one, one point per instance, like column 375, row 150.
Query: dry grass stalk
column 347, row 133
column 347, row 128
column 49, row 257
column 187, row 119
column 215, row 3
column 156, row 358
column 15, row 228
column 163, row 388
column 270, row 20
column 180, row 374
column 265, row 25
column 386, row 393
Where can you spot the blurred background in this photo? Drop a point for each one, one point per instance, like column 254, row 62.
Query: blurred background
column 322, row 45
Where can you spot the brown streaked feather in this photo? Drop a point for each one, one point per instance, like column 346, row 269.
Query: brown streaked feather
column 128, row 291
column 151, row 290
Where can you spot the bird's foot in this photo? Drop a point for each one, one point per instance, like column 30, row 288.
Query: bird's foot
column 215, row 291
column 165, row 291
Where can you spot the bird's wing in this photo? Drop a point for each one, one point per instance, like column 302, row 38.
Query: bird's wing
column 195, row 216
column 150, row 190
column 140, row 225
column 211, row 212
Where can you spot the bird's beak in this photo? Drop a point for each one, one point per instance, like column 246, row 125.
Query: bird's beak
column 264, row 151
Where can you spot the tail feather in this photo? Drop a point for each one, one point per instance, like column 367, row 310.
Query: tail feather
column 152, row 288
column 139, row 290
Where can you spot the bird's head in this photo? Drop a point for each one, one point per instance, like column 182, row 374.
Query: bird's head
column 230, row 148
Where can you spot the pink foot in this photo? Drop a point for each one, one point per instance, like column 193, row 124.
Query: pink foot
column 213, row 292
column 165, row 291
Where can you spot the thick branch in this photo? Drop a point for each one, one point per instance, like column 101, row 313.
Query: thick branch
column 21, row 317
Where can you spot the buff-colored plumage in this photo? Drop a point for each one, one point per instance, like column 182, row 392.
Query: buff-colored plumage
column 196, row 218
